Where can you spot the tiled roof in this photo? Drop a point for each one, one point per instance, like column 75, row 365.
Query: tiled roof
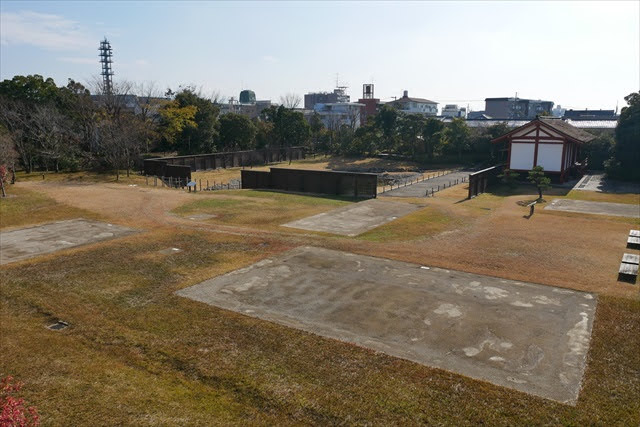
column 408, row 99
column 568, row 129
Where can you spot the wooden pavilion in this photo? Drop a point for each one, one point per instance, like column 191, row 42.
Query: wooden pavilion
column 547, row 142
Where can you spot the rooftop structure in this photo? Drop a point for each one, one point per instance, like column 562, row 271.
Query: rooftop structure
column 247, row 97
column 415, row 105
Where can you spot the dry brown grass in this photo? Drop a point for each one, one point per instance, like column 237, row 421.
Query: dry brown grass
column 25, row 207
column 137, row 354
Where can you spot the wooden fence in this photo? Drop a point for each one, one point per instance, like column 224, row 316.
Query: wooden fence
column 198, row 162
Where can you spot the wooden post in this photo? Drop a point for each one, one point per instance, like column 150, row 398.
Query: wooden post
column 201, row 185
column 207, row 184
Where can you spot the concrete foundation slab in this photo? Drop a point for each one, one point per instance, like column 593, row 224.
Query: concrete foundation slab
column 600, row 183
column 29, row 242
column 596, row 208
column 525, row 336
column 354, row 219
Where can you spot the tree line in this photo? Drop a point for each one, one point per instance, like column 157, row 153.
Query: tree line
column 46, row 127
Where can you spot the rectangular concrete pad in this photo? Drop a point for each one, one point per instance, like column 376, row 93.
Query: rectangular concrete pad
column 29, row 242
column 528, row 337
column 596, row 208
column 354, row 219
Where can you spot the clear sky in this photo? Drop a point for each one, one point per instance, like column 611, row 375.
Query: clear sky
column 577, row 54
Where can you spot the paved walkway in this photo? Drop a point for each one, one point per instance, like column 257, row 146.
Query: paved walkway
column 420, row 189
column 355, row 219
column 598, row 182
column 597, row 208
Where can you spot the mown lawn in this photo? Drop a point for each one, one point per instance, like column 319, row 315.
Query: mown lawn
column 259, row 208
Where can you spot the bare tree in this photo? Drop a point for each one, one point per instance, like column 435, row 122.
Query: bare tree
column 117, row 100
column 147, row 93
column 54, row 134
column 16, row 116
column 291, row 100
column 8, row 158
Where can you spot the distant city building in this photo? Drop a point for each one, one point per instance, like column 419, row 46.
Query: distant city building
column 516, row 108
column 336, row 114
column 415, row 105
column 369, row 101
column 558, row 111
column 590, row 115
column 338, row 95
column 452, row 110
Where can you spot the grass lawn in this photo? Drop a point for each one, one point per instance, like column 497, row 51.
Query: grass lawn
column 137, row 354
column 417, row 225
column 593, row 196
column 80, row 177
column 259, row 208
column 25, row 207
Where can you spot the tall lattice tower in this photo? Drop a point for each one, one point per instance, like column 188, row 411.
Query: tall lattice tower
column 105, row 59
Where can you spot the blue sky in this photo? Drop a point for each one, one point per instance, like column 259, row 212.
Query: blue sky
column 577, row 54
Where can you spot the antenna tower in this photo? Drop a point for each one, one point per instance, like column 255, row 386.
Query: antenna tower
column 105, row 59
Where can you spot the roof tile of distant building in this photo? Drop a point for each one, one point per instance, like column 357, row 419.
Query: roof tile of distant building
column 409, row 99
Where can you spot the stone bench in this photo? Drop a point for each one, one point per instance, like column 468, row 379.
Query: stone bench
column 628, row 272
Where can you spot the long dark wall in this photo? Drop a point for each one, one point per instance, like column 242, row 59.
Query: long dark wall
column 351, row 184
column 233, row 159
